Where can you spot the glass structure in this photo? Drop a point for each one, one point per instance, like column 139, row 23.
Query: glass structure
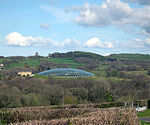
column 66, row 72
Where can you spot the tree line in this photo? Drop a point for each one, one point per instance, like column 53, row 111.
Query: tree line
column 56, row 91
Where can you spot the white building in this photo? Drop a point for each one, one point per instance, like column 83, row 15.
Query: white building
column 1, row 66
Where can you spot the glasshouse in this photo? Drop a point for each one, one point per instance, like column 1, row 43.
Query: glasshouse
column 66, row 72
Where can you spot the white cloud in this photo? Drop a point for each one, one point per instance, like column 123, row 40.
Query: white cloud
column 16, row 39
column 136, row 43
column 71, row 44
column 147, row 41
column 143, row 43
column 141, row 18
column 96, row 43
column 112, row 12
column 45, row 26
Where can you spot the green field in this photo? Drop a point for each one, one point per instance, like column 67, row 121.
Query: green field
column 29, row 62
column 145, row 123
column 68, row 61
column 35, row 62
column 136, row 73
column 131, row 56
column 144, row 114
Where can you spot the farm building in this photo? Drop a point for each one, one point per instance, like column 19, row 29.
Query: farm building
column 24, row 73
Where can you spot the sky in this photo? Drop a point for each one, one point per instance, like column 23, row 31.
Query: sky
column 99, row 26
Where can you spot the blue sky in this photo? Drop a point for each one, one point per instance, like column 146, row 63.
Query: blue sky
column 99, row 26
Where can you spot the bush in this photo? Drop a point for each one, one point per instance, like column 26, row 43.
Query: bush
column 113, row 73
column 148, row 72
column 109, row 105
column 148, row 104
column 9, row 101
column 112, row 116
column 70, row 100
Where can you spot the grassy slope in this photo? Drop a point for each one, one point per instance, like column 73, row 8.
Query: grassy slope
column 72, row 64
column 29, row 62
column 67, row 61
column 145, row 123
column 144, row 114
column 131, row 56
column 137, row 73
column 88, row 54
column 36, row 62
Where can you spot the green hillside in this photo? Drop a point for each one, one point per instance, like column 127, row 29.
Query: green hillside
column 76, row 59
column 87, row 54
column 58, row 59
column 131, row 56
column 35, row 62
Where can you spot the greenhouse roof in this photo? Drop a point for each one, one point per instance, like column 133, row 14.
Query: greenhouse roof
column 66, row 72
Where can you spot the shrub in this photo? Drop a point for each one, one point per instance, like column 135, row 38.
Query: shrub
column 148, row 72
column 70, row 100
column 148, row 104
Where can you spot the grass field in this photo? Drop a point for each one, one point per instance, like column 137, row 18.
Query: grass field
column 68, row 61
column 131, row 56
column 35, row 62
column 144, row 114
column 99, row 73
column 137, row 72
column 145, row 123
column 29, row 62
